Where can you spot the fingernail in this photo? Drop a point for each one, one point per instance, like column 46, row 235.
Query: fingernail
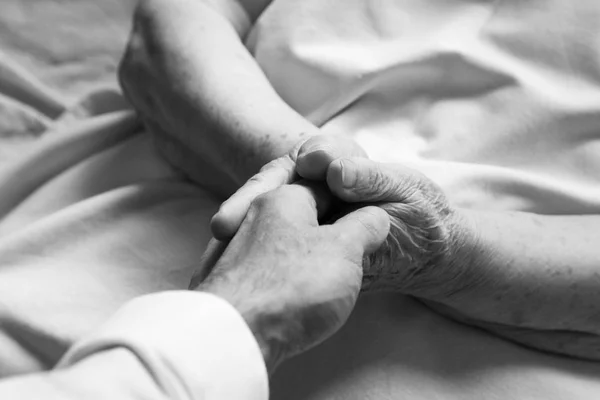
column 311, row 152
column 349, row 175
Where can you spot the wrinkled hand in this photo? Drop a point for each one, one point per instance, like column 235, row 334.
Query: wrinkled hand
column 437, row 254
column 295, row 282
column 417, row 258
column 308, row 159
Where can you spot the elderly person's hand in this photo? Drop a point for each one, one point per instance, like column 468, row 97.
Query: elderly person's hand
column 417, row 256
column 530, row 278
column 208, row 105
column 295, row 282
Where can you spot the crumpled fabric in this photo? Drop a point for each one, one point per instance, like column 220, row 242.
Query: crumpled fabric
column 91, row 216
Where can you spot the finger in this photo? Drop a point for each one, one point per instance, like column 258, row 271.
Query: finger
column 367, row 227
column 363, row 180
column 319, row 196
column 228, row 219
column 318, row 152
column 214, row 251
column 297, row 204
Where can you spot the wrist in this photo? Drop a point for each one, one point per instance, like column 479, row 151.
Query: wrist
column 459, row 252
column 260, row 317
column 419, row 255
column 268, row 332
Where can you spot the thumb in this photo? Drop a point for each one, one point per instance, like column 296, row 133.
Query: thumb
column 318, row 152
column 363, row 180
column 367, row 227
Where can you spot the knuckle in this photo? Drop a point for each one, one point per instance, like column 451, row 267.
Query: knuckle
column 366, row 226
column 258, row 207
column 346, row 245
column 345, row 240
column 390, row 183
column 378, row 178
column 296, row 196
column 278, row 201
column 281, row 197
column 289, row 191
column 269, row 166
column 261, row 202
column 272, row 202
column 282, row 164
column 255, row 179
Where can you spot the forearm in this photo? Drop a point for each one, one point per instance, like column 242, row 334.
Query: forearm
column 537, row 271
column 564, row 342
column 216, row 94
column 534, row 279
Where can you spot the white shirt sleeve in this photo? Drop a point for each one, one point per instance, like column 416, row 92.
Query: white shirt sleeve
column 177, row 345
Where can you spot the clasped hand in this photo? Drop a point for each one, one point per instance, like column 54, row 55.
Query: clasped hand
column 424, row 227
column 295, row 281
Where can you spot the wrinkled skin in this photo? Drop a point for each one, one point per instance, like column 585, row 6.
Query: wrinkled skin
column 433, row 253
column 421, row 218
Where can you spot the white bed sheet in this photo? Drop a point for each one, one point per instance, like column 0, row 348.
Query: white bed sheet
column 92, row 217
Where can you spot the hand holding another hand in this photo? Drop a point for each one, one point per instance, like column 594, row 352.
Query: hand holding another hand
column 488, row 269
column 418, row 256
column 309, row 159
column 293, row 281
column 423, row 224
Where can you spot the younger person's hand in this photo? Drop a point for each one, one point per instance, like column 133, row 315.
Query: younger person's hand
column 293, row 281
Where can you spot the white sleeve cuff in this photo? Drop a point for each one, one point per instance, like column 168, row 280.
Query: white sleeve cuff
column 195, row 345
